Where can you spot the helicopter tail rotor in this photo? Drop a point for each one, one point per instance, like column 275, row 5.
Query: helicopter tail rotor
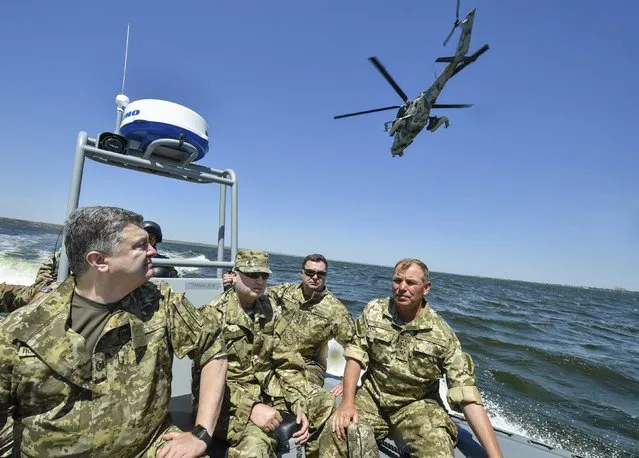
column 455, row 25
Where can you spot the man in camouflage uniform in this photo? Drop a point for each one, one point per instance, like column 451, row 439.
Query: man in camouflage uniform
column 407, row 348
column 48, row 272
column 311, row 316
column 263, row 376
column 86, row 369
column 13, row 297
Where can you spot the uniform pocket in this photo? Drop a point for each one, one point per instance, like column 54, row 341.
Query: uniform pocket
column 380, row 341
column 38, row 388
column 426, row 359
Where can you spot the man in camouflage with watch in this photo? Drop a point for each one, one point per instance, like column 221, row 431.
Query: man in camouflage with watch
column 264, row 377
column 407, row 347
column 86, row 369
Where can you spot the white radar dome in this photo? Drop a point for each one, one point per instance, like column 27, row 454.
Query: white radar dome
column 149, row 119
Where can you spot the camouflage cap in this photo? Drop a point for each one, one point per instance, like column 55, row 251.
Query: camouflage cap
column 249, row 261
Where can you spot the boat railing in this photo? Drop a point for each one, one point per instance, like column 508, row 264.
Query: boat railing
column 179, row 167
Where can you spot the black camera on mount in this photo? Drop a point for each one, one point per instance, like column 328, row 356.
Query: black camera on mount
column 113, row 142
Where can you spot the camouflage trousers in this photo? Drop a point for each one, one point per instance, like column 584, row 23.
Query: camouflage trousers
column 6, row 441
column 423, row 427
column 247, row 440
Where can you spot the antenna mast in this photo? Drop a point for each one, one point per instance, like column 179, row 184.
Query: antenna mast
column 122, row 100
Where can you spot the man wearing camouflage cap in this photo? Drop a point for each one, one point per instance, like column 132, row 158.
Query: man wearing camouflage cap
column 264, row 377
column 86, row 369
column 407, row 348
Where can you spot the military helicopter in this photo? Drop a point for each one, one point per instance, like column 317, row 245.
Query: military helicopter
column 414, row 114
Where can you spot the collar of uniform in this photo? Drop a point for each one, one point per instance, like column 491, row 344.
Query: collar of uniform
column 263, row 307
column 235, row 314
column 136, row 310
column 316, row 297
column 423, row 322
column 44, row 328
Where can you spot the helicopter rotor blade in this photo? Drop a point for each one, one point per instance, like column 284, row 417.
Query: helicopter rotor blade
column 389, row 78
column 452, row 105
column 450, row 34
column 365, row 112
column 455, row 24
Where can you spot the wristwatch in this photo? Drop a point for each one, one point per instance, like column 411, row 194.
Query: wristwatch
column 201, row 433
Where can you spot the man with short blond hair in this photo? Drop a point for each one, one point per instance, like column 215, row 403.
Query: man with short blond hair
column 406, row 347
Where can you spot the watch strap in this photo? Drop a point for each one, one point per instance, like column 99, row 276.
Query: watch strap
column 201, row 433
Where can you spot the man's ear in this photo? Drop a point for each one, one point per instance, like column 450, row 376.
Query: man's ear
column 97, row 260
column 427, row 288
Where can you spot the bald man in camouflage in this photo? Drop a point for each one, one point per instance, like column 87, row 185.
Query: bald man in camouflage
column 407, row 347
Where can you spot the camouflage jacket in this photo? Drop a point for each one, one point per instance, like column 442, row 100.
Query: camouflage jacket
column 258, row 367
column 406, row 362
column 13, row 297
column 307, row 325
column 68, row 401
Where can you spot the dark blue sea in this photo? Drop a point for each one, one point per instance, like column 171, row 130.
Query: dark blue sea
column 555, row 363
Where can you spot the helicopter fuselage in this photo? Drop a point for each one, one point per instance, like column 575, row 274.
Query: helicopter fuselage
column 415, row 117
column 415, row 114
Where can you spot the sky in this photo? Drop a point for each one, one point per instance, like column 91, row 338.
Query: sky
column 538, row 181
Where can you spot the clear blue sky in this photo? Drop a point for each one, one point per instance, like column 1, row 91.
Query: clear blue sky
column 539, row 181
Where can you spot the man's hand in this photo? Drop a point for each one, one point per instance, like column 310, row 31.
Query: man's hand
column 44, row 276
column 265, row 417
column 301, row 436
column 181, row 445
column 227, row 280
column 344, row 414
column 338, row 389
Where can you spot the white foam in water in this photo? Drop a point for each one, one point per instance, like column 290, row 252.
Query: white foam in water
column 17, row 271
column 182, row 270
